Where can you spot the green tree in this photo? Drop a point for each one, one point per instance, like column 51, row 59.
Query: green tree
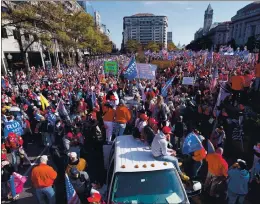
column 48, row 21
column 171, row 46
column 153, row 46
column 132, row 46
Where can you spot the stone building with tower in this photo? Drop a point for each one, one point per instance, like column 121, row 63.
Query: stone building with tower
column 244, row 24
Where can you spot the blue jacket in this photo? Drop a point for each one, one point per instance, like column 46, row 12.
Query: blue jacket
column 238, row 181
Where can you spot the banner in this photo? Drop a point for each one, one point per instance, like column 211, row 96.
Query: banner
column 110, row 67
column 167, row 85
column 130, row 73
column 188, row 81
column 145, row 71
column 13, row 126
column 191, row 144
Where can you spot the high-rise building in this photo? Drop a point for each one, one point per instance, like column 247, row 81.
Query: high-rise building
column 97, row 19
column 169, row 37
column 208, row 17
column 145, row 27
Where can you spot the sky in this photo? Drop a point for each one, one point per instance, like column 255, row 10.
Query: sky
column 184, row 17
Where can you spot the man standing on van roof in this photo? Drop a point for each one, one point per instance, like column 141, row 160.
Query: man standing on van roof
column 162, row 153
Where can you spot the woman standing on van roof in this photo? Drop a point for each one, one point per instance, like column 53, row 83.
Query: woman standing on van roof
column 162, row 153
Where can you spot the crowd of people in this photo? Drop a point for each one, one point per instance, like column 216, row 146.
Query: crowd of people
column 74, row 111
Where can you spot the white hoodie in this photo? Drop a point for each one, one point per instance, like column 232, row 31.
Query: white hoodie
column 159, row 145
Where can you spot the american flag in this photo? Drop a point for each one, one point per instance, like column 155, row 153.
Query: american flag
column 72, row 197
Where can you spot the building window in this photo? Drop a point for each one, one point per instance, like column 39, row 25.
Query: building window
column 4, row 33
column 16, row 34
column 26, row 37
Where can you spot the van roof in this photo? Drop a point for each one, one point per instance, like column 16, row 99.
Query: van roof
column 130, row 152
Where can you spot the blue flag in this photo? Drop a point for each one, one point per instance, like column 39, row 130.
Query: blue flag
column 131, row 71
column 13, row 126
column 191, row 144
column 51, row 118
column 167, row 85
column 61, row 109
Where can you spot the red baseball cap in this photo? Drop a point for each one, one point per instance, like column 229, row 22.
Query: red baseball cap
column 96, row 197
column 144, row 117
column 167, row 130
column 153, row 121
column 112, row 98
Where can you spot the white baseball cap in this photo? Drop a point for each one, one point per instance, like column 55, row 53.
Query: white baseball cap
column 43, row 158
column 73, row 154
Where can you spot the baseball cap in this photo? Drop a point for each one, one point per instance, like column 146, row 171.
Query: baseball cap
column 44, row 158
column 74, row 171
column 167, row 130
column 96, row 197
column 153, row 121
column 112, row 98
column 241, row 163
column 73, row 154
column 144, row 117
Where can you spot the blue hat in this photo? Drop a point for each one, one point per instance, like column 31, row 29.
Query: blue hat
column 74, row 171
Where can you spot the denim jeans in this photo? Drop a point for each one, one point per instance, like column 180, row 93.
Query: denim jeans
column 257, row 84
column 233, row 197
column 109, row 130
column 171, row 159
column 47, row 192
column 14, row 154
column 119, row 129
column 196, row 167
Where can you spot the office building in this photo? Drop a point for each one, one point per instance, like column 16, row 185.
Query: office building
column 169, row 37
column 145, row 27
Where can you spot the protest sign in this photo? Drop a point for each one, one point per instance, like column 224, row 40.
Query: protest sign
column 110, row 67
column 145, row 71
column 13, row 126
column 188, row 81
column 24, row 87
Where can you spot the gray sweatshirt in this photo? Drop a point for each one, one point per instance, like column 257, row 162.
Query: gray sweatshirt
column 159, row 145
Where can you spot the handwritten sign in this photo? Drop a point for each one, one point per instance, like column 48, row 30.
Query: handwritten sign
column 111, row 67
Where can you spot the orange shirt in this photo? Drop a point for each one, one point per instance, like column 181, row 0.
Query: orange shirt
column 217, row 165
column 43, row 176
column 123, row 115
column 109, row 114
column 238, row 83
column 248, row 78
column 257, row 70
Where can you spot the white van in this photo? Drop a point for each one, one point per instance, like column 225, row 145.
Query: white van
column 134, row 176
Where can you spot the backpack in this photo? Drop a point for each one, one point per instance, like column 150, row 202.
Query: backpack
column 13, row 141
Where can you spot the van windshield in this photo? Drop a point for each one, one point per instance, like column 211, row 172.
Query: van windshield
column 161, row 186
